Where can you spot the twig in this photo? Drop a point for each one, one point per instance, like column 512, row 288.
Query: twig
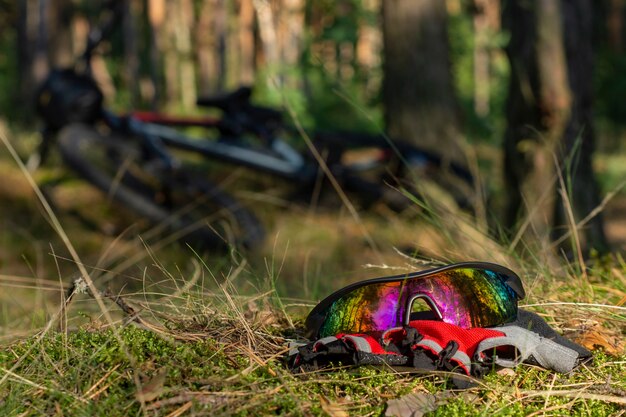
column 552, row 408
column 575, row 394
column 179, row 411
column 133, row 315
column 575, row 305
column 101, row 380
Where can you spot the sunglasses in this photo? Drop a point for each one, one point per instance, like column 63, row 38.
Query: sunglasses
column 469, row 294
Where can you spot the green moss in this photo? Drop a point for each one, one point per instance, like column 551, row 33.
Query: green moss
column 64, row 368
column 67, row 371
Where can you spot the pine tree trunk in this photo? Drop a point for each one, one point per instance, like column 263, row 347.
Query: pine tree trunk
column 60, row 16
column 535, row 116
column 615, row 24
column 156, row 16
column 205, row 36
column 369, row 46
column 210, row 37
column 549, row 115
column 31, row 50
column 170, row 55
column 179, row 68
column 486, row 25
column 187, row 72
column 576, row 150
column 246, row 42
column 267, row 31
column 290, row 35
column 131, row 51
column 418, row 94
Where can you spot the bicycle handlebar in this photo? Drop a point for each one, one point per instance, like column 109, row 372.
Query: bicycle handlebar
column 242, row 115
column 240, row 96
column 98, row 33
column 238, row 101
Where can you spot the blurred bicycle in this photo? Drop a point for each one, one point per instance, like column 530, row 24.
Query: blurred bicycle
column 145, row 160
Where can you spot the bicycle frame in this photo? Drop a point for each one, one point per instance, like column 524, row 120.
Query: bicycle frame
column 285, row 161
column 274, row 156
column 157, row 133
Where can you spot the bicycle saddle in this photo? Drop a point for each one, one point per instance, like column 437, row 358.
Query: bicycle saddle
column 226, row 101
column 237, row 103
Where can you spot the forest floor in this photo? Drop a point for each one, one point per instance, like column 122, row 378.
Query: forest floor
column 200, row 335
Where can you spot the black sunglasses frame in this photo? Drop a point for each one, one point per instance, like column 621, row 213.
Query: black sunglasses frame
column 317, row 316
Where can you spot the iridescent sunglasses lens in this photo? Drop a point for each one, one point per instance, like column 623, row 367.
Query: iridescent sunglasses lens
column 467, row 295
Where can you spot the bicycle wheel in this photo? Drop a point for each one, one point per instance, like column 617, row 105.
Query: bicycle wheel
column 398, row 163
column 176, row 202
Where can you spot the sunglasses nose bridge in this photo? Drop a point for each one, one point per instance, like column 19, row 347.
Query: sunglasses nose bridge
column 408, row 307
column 413, row 290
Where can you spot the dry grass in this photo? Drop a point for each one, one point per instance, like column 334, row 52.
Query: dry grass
column 234, row 345
column 176, row 333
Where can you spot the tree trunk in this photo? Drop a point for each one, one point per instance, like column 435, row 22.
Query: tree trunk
column 267, row 31
column 131, row 51
column 24, row 50
column 486, row 25
column 156, row 16
column 290, row 36
column 535, row 117
column 205, row 35
column 170, row 56
column 246, row 42
column 31, row 50
column 60, row 16
column 615, row 25
column 576, row 150
column 368, row 44
column 179, row 69
column 187, row 72
column 418, row 93
column 549, row 115
column 369, row 47
column 210, row 35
